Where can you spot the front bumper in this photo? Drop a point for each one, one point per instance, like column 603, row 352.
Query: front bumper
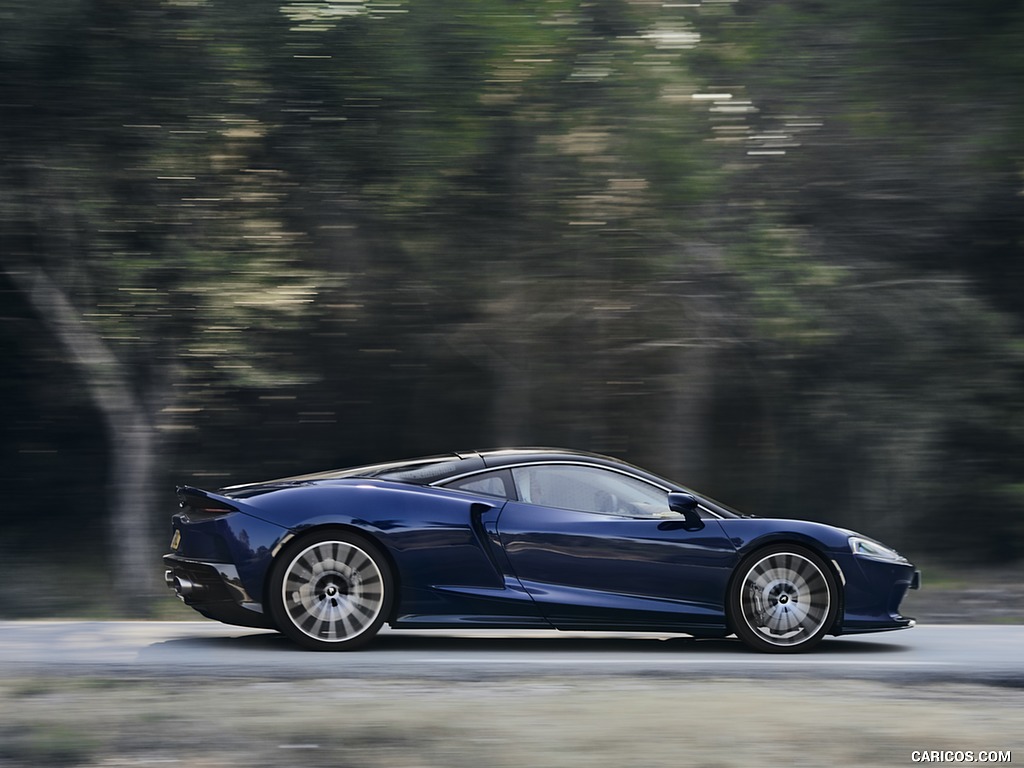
column 873, row 592
column 215, row 590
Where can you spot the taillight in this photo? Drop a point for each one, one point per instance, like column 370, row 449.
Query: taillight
column 197, row 504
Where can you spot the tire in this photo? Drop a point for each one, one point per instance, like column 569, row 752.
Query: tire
column 330, row 591
column 783, row 599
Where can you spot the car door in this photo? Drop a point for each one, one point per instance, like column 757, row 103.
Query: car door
column 599, row 548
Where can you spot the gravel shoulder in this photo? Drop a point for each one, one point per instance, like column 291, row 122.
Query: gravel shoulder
column 101, row 719
column 560, row 723
column 969, row 596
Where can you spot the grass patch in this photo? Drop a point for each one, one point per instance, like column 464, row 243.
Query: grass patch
column 50, row 744
column 598, row 722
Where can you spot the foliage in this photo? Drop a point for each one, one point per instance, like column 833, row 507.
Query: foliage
column 771, row 247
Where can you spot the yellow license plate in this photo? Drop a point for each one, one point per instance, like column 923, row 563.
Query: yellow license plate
column 175, row 539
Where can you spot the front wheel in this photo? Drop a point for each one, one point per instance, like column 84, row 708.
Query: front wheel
column 330, row 591
column 784, row 599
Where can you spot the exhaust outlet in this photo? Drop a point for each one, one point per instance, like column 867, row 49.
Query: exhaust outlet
column 183, row 585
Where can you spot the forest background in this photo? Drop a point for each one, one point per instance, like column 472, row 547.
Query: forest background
column 771, row 248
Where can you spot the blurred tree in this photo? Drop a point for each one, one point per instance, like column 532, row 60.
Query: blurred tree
column 753, row 245
column 133, row 229
column 878, row 233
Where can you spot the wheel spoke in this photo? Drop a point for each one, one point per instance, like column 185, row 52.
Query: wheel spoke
column 366, row 608
column 786, row 599
column 333, row 591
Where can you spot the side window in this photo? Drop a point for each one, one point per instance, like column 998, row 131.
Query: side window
column 497, row 483
column 590, row 489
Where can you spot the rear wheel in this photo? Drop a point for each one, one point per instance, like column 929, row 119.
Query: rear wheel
column 330, row 591
column 784, row 599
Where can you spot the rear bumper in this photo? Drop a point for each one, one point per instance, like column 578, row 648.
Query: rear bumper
column 215, row 590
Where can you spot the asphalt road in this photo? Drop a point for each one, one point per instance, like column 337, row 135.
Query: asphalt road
column 955, row 653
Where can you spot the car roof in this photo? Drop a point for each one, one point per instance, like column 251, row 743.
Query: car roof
column 427, row 470
column 436, row 469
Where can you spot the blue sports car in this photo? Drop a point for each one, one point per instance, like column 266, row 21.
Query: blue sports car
column 523, row 538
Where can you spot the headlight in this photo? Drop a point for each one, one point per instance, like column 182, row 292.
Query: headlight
column 874, row 550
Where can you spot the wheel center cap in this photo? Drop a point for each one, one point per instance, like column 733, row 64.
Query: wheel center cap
column 784, row 599
column 332, row 590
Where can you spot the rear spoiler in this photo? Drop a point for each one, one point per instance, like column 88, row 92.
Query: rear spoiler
column 204, row 502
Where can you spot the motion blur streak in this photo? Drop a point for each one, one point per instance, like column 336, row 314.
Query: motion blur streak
column 770, row 248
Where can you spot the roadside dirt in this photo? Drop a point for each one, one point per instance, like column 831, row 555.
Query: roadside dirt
column 968, row 597
column 554, row 723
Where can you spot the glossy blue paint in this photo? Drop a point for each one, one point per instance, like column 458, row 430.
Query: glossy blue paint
column 748, row 534
column 873, row 589
column 464, row 558
column 873, row 593
column 245, row 542
column 587, row 569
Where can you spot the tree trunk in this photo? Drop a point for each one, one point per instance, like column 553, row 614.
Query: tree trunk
column 132, row 437
column 686, row 442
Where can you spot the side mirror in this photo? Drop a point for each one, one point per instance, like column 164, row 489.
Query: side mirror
column 682, row 502
column 686, row 505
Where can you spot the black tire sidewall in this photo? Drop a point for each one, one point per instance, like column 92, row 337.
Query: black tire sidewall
column 275, row 598
column 735, row 610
